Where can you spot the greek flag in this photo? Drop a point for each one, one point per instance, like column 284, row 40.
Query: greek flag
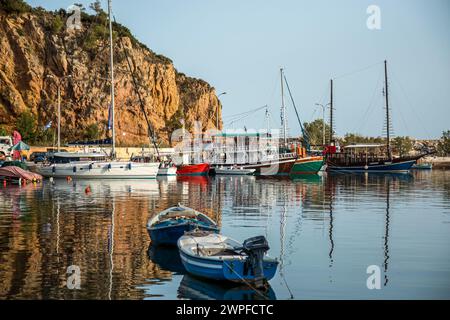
column 109, row 117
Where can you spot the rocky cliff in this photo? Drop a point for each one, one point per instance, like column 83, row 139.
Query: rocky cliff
column 37, row 49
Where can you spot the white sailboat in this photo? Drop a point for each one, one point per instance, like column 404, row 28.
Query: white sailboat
column 95, row 165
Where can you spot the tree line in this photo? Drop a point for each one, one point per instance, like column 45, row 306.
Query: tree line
column 400, row 145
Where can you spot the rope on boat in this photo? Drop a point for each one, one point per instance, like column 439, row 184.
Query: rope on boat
column 287, row 286
column 232, row 269
column 245, row 281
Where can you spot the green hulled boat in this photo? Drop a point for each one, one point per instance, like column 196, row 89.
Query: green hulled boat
column 307, row 165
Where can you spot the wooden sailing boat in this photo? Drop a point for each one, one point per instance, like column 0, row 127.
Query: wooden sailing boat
column 364, row 157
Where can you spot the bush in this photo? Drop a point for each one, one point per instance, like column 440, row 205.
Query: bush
column 402, row 145
column 14, row 6
column 56, row 24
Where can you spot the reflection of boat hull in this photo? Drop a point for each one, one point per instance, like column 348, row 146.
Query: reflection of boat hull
column 234, row 171
column 394, row 166
column 308, row 165
column 100, row 170
column 195, row 289
column 307, row 178
column 166, row 258
column 201, row 169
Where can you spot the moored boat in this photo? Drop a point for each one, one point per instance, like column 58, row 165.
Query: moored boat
column 217, row 257
column 234, row 170
column 167, row 171
column 94, row 166
column 376, row 158
column 307, row 165
column 422, row 166
column 169, row 225
column 201, row 169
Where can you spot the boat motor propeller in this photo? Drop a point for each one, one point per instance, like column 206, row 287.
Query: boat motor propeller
column 255, row 248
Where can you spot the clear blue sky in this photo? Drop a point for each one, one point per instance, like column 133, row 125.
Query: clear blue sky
column 238, row 47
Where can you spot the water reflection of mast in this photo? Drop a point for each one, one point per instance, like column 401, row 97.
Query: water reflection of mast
column 111, row 249
column 386, row 235
column 330, row 231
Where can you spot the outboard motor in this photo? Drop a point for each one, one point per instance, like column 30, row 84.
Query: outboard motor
column 255, row 248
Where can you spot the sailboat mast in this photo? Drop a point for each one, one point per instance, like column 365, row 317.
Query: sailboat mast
column 113, row 132
column 283, row 111
column 268, row 120
column 388, row 121
column 331, row 112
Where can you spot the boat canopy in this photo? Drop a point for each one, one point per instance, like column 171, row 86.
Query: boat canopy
column 369, row 145
column 78, row 155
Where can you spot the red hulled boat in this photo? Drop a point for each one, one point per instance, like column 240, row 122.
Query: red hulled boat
column 201, row 169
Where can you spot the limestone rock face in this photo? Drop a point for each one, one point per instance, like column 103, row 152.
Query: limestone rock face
column 33, row 56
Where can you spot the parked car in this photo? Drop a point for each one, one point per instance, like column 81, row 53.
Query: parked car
column 37, row 157
column 6, row 143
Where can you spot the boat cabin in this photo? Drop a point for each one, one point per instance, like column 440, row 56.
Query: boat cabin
column 359, row 153
column 68, row 157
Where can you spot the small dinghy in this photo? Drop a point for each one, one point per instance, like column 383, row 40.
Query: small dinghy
column 234, row 171
column 217, row 257
column 169, row 225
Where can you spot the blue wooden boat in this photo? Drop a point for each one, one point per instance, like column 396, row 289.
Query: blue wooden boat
column 169, row 225
column 217, row 257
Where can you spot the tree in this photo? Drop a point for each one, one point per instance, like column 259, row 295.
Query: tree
column 443, row 147
column 91, row 132
column 355, row 138
column 402, row 145
column 26, row 125
column 14, row 6
column 314, row 131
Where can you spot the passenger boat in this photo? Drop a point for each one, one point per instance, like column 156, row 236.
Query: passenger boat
column 94, row 166
column 364, row 158
column 217, row 257
column 235, row 170
column 169, row 225
column 201, row 169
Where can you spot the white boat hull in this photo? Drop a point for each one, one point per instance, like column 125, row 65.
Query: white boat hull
column 172, row 171
column 100, row 170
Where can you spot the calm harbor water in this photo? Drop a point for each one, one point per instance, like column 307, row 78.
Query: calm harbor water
column 325, row 231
